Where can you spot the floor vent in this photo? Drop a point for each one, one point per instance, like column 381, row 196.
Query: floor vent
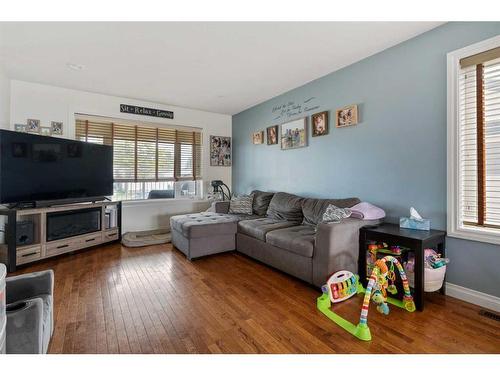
column 490, row 315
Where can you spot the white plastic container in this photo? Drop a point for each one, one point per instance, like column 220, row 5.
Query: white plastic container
column 433, row 278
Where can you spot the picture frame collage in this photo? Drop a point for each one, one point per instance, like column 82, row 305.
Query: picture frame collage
column 293, row 134
column 34, row 126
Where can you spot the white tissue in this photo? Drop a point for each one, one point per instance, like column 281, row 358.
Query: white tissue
column 414, row 214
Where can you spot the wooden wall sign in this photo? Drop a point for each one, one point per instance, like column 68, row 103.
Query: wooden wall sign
column 125, row 108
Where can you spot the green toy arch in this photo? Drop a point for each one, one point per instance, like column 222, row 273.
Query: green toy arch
column 361, row 330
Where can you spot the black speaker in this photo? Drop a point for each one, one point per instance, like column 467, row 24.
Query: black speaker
column 24, row 233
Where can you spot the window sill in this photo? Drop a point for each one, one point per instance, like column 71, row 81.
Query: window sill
column 479, row 234
column 162, row 201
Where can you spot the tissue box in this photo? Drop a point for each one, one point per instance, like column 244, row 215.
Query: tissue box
column 409, row 223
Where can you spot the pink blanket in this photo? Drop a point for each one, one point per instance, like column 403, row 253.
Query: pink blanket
column 367, row 211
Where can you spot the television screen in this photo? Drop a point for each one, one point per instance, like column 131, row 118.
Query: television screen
column 41, row 168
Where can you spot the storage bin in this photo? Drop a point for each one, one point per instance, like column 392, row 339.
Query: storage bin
column 433, row 278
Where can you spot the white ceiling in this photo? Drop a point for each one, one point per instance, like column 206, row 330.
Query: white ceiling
column 218, row 67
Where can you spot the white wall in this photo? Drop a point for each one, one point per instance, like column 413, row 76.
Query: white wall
column 4, row 100
column 49, row 103
column 153, row 214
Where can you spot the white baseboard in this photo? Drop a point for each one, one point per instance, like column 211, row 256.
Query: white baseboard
column 473, row 296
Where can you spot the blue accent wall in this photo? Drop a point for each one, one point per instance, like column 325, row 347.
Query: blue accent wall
column 394, row 158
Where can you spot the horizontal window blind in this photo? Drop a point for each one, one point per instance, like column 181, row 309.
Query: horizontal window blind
column 146, row 153
column 491, row 82
column 479, row 116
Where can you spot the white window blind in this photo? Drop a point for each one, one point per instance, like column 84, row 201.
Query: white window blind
column 479, row 121
column 146, row 153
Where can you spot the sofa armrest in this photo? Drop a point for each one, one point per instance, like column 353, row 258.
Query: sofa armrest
column 220, row 207
column 337, row 248
column 29, row 285
column 24, row 331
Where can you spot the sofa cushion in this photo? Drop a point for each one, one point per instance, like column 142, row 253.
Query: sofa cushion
column 298, row 239
column 259, row 227
column 284, row 206
column 240, row 217
column 241, row 205
column 47, row 320
column 261, row 201
column 313, row 209
column 204, row 224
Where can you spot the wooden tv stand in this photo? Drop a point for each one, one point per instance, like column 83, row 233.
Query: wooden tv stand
column 13, row 255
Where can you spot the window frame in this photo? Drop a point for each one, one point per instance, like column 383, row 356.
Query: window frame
column 190, row 136
column 454, row 226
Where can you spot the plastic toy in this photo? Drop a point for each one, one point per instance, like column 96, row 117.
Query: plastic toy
column 396, row 250
column 410, row 264
column 391, row 279
column 381, row 302
column 380, row 280
column 433, row 259
column 341, row 286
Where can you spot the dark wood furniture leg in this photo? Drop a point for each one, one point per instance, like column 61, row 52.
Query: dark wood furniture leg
column 441, row 249
column 362, row 258
column 11, row 240
column 419, row 277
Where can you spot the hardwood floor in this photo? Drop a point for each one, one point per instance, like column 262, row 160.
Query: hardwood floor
column 152, row 300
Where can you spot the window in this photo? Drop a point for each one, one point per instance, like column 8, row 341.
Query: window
column 147, row 158
column 474, row 142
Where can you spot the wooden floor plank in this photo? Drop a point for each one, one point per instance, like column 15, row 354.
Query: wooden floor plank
column 112, row 299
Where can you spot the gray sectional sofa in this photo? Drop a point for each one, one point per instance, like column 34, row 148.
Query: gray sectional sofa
column 284, row 231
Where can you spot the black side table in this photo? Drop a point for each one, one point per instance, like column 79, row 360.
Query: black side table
column 416, row 240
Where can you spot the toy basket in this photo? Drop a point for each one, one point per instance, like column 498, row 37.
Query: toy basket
column 433, row 278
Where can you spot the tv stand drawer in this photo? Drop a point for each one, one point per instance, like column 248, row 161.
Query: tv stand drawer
column 71, row 244
column 110, row 235
column 91, row 239
column 60, row 247
column 28, row 255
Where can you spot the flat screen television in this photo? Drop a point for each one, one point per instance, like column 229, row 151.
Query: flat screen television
column 38, row 169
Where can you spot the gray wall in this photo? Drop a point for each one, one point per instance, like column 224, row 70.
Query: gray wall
column 395, row 157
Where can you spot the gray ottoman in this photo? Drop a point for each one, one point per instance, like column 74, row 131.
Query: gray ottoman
column 202, row 234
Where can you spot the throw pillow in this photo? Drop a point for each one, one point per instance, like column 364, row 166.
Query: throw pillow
column 367, row 211
column 261, row 202
column 333, row 214
column 284, row 206
column 314, row 209
column 241, row 205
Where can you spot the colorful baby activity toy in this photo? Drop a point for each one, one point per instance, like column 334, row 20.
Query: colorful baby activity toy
column 341, row 286
column 380, row 282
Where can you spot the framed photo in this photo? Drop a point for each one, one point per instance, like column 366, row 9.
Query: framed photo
column 294, row 134
column 272, row 135
column 258, row 137
column 319, row 124
column 347, row 116
column 56, row 127
column 220, row 151
column 33, row 126
column 20, row 128
column 45, row 130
